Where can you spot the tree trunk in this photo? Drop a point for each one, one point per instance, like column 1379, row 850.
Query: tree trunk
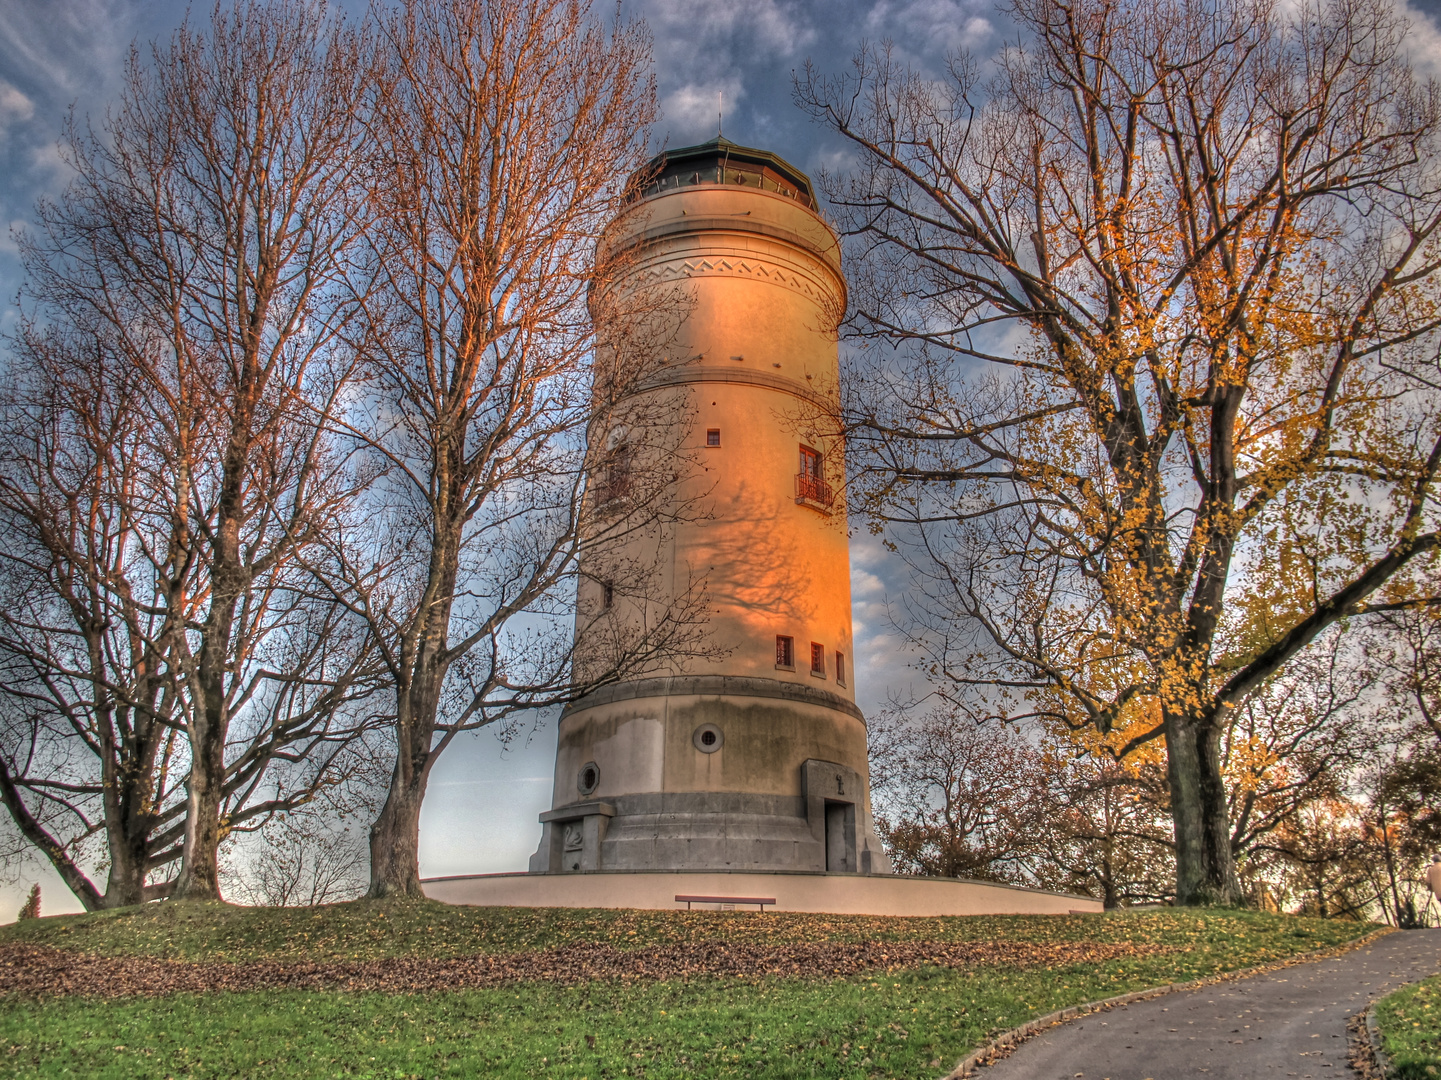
column 1205, row 871
column 210, row 723
column 395, row 839
column 1183, row 774
column 1222, row 884
column 128, row 848
column 395, row 834
column 1110, row 900
column 200, row 869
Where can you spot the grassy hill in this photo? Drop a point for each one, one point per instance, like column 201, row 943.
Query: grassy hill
column 426, row 990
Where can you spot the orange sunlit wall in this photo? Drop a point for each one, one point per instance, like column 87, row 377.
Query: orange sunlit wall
column 758, row 366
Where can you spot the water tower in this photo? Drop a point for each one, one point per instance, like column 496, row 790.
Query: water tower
column 755, row 761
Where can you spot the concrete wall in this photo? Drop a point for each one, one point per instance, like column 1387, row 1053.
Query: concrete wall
column 647, row 743
column 841, row 894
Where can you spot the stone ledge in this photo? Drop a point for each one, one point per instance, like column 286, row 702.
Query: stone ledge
column 715, row 686
column 577, row 810
column 684, row 375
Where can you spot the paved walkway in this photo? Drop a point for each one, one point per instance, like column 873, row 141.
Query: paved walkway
column 1289, row 1023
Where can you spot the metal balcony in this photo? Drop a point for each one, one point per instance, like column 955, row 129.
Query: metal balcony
column 813, row 489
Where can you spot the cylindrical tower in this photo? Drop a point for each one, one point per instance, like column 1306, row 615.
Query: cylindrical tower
column 752, row 757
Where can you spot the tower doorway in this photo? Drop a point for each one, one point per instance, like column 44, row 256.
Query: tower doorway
column 840, row 837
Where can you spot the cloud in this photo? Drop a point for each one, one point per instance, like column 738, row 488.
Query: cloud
column 1424, row 40
column 697, row 106
column 687, row 29
column 61, row 50
column 930, row 27
column 14, row 105
column 746, row 49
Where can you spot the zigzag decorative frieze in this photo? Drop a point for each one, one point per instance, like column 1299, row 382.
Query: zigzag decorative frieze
column 732, row 266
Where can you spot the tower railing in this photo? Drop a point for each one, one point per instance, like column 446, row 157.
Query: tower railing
column 812, row 488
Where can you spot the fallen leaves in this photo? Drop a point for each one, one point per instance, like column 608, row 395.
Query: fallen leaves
column 43, row 971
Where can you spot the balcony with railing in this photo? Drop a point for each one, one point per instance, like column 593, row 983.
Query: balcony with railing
column 813, row 491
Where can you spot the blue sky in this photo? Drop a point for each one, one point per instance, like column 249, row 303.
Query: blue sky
column 480, row 815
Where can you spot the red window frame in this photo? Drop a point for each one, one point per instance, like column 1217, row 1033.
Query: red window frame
column 811, row 486
column 811, row 463
column 785, row 651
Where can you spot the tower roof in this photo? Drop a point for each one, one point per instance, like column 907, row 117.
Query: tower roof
column 721, row 161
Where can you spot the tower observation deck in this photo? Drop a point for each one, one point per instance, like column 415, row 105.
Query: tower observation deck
column 753, row 756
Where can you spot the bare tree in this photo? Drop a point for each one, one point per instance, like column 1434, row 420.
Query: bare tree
column 1104, row 829
column 1325, row 869
column 1410, row 653
column 92, row 744
column 956, row 799
column 302, row 861
column 504, row 134
column 1168, row 286
column 203, row 256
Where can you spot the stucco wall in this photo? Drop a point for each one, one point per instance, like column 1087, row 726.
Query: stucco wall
column 754, row 359
column 841, row 894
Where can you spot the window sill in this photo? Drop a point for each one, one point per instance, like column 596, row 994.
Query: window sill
column 785, row 667
column 815, row 504
column 818, row 674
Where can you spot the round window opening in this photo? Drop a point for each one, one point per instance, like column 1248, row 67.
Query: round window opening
column 708, row 738
column 589, row 777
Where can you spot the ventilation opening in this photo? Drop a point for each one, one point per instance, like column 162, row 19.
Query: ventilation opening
column 708, row 738
column 589, row 778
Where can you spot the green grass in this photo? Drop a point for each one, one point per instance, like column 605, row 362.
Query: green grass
column 908, row 1024
column 1410, row 1023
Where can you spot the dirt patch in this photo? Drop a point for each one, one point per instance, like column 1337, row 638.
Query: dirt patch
column 40, row 971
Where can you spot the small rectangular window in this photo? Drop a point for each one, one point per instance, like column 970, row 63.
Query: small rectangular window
column 712, row 436
column 840, row 668
column 607, row 595
column 818, row 659
column 785, row 652
column 615, row 476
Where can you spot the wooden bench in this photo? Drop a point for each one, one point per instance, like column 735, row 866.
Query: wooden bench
column 761, row 900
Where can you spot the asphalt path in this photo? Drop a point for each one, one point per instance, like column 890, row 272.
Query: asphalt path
column 1288, row 1023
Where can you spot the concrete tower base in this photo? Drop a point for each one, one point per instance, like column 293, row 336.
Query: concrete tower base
column 771, row 791
column 840, row 894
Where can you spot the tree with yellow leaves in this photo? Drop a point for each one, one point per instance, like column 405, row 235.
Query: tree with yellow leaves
column 1164, row 291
